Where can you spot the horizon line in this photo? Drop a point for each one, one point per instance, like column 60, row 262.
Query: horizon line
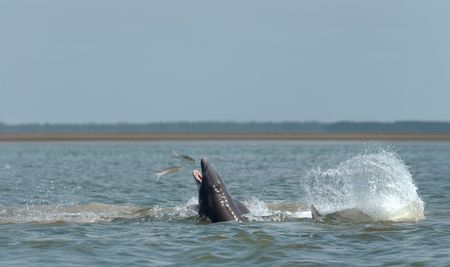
column 226, row 121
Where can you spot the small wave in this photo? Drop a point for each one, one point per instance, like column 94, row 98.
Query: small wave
column 378, row 185
column 46, row 214
column 261, row 211
column 92, row 213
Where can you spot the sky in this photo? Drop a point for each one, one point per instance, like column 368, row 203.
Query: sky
column 105, row 61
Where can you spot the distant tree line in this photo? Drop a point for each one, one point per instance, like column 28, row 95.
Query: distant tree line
column 233, row 127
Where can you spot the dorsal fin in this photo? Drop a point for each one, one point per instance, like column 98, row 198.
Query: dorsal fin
column 314, row 213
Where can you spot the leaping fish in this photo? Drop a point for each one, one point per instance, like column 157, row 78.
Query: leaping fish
column 168, row 170
column 183, row 157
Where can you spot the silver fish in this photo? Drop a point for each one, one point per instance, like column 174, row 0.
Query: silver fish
column 183, row 157
column 168, row 170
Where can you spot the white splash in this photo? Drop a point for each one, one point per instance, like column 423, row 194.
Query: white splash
column 379, row 185
column 261, row 211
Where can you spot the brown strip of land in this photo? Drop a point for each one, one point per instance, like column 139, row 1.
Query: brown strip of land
column 221, row 136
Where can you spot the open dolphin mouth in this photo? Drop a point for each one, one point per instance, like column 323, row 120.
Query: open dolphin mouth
column 197, row 176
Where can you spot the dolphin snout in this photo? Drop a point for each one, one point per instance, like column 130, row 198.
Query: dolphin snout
column 204, row 164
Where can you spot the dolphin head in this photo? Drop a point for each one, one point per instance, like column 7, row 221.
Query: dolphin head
column 209, row 179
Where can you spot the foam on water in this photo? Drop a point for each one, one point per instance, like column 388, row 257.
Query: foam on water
column 377, row 184
column 44, row 214
column 261, row 211
column 92, row 213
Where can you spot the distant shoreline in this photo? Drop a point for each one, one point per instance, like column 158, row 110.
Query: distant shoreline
column 221, row 136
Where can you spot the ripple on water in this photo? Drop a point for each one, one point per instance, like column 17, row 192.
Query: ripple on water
column 99, row 204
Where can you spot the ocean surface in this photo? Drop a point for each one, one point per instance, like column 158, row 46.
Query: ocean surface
column 100, row 204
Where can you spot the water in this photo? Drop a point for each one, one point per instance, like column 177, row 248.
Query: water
column 100, row 204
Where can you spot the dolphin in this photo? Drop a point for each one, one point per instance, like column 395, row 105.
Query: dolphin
column 214, row 202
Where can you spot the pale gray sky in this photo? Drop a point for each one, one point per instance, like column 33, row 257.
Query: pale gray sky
column 147, row 61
